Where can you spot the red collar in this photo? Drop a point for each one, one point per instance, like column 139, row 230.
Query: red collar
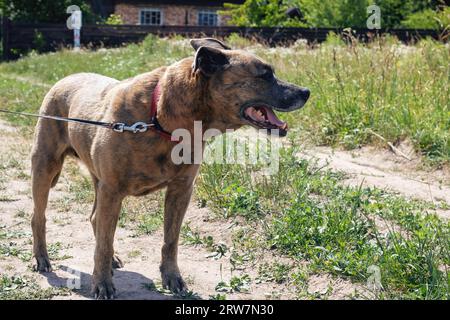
column 153, row 120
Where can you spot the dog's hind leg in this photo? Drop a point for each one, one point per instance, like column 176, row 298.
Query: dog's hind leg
column 47, row 161
column 116, row 261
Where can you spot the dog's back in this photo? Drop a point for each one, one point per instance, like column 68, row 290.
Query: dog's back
column 77, row 96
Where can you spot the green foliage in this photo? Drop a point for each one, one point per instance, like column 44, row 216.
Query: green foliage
column 260, row 13
column 39, row 41
column 232, row 198
column 236, row 284
column 331, row 13
column 114, row 19
column 428, row 19
column 393, row 12
column 20, row 288
column 44, row 10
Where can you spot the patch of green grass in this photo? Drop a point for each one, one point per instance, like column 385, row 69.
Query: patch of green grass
column 230, row 196
column 21, row 288
column 12, row 249
column 218, row 296
column 191, row 237
column 134, row 254
column 79, row 190
column 311, row 216
column 22, row 175
column 14, row 234
column 20, row 96
column 21, row 213
column 143, row 215
column 157, row 287
column 120, row 63
column 54, row 251
column 236, row 284
column 276, row 272
column 148, row 223
column 6, row 198
column 10, row 162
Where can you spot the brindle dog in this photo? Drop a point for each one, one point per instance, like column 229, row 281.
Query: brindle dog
column 223, row 88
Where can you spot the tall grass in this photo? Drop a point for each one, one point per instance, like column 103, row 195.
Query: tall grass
column 396, row 91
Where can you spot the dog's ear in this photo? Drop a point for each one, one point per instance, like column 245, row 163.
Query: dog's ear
column 208, row 42
column 209, row 60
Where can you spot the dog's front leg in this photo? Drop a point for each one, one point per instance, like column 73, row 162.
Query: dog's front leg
column 178, row 195
column 107, row 213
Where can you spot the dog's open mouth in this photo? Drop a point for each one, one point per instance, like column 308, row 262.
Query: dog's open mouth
column 263, row 117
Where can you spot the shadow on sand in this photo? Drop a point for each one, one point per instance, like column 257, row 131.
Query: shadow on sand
column 130, row 285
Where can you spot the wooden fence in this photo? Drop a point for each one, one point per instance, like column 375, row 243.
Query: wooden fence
column 21, row 37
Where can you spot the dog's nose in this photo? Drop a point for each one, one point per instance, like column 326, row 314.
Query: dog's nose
column 305, row 94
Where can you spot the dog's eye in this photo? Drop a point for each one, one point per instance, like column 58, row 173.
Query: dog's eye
column 268, row 75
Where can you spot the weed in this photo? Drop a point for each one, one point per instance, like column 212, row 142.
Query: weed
column 276, row 272
column 218, row 296
column 236, row 284
column 54, row 251
column 20, row 288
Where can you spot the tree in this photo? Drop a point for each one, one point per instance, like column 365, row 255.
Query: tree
column 393, row 12
column 260, row 13
column 332, row 13
column 53, row 11
column 428, row 19
column 327, row 13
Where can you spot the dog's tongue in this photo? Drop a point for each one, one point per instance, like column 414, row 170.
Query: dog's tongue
column 273, row 118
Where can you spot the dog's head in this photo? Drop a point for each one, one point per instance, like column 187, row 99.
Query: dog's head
column 242, row 88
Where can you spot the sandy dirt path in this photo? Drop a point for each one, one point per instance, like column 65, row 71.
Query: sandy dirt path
column 383, row 169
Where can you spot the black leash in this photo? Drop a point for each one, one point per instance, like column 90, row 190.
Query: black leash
column 82, row 121
column 116, row 126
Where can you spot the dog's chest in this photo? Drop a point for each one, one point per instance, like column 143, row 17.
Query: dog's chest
column 157, row 174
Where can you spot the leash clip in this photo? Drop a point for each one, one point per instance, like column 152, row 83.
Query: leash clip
column 137, row 127
column 118, row 127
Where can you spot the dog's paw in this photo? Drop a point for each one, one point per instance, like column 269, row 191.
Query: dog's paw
column 173, row 282
column 117, row 262
column 42, row 264
column 103, row 290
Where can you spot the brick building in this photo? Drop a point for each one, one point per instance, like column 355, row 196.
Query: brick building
column 171, row 13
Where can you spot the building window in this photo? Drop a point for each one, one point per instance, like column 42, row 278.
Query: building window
column 150, row 17
column 207, row 18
